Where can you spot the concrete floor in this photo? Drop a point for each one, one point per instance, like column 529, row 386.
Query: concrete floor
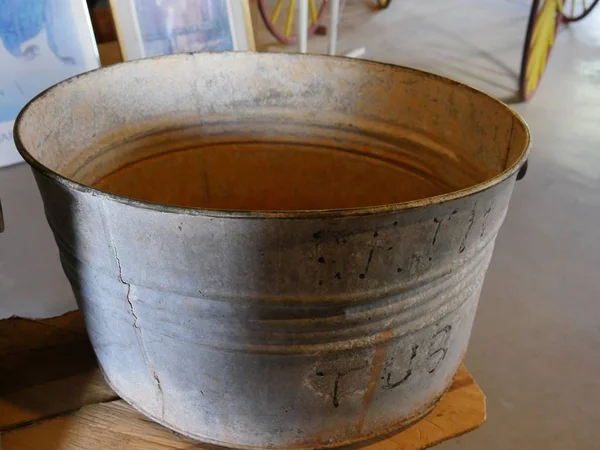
column 535, row 344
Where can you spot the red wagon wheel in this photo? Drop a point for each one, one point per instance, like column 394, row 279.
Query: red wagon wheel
column 575, row 10
column 280, row 17
column 541, row 32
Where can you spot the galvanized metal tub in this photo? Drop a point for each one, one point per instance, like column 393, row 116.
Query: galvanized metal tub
column 273, row 250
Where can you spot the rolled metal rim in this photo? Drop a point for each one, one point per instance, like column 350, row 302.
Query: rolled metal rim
column 283, row 214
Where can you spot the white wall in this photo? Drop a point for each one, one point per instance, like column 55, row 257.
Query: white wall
column 32, row 283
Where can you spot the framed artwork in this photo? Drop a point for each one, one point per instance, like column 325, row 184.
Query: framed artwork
column 42, row 42
column 157, row 27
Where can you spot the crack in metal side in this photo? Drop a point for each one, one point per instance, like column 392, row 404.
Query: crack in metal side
column 138, row 331
column 463, row 242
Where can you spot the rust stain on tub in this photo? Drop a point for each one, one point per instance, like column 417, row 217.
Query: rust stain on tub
column 376, row 368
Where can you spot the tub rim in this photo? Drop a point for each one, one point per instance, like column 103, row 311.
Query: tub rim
column 279, row 214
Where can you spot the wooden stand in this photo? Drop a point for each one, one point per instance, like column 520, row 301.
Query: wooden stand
column 53, row 397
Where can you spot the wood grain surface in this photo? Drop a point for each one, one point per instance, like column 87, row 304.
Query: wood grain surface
column 462, row 409
column 53, row 397
column 47, row 367
column 109, row 53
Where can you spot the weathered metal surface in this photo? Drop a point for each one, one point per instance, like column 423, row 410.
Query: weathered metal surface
column 297, row 253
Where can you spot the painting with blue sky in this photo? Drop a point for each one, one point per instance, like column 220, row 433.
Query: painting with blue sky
column 173, row 26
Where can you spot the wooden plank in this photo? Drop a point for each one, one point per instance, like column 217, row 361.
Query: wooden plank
column 460, row 410
column 17, row 335
column 47, row 367
column 249, row 27
column 70, row 321
column 52, row 398
column 110, row 53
